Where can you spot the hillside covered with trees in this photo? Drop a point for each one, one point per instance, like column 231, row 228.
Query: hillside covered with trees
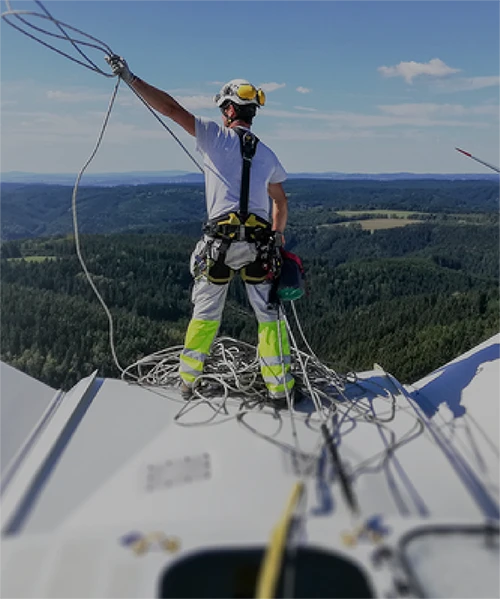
column 409, row 298
column 35, row 210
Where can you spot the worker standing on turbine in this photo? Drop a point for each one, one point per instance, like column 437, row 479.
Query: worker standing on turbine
column 242, row 230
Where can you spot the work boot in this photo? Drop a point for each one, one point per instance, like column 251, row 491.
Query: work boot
column 280, row 403
column 186, row 391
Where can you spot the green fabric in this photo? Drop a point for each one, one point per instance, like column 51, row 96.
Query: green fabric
column 191, row 364
column 199, row 338
column 200, row 335
column 280, row 389
column 187, row 377
column 269, row 347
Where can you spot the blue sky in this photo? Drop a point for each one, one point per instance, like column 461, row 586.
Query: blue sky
column 356, row 86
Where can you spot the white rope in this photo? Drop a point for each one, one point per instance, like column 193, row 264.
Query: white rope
column 97, row 44
column 232, row 372
column 18, row 15
column 77, row 235
column 295, row 436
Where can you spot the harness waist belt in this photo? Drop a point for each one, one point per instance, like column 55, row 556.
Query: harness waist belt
column 236, row 228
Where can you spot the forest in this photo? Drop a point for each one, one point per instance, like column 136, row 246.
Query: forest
column 35, row 210
column 409, row 298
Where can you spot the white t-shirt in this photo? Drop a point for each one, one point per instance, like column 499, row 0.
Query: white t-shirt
column 220, row 147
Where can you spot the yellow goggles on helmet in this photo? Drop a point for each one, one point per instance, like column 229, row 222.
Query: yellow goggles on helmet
column 246, row 91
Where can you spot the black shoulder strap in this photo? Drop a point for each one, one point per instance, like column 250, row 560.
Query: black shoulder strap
column 248, row 145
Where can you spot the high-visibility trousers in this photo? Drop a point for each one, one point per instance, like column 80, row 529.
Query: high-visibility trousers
column 209, row 299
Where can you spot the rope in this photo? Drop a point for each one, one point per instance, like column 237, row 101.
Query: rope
column 232, row 370
column 19, row 15
column 167, row 128
column 77, row 235
column 98, row 45
column 89, row 64
column 297, row 452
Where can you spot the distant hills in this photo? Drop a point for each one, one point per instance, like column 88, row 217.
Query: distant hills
column 42, row 209
column 147, row 177
column 103, row 179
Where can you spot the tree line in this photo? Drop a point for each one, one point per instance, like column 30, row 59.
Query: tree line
column 409, row 299
column 35, row 210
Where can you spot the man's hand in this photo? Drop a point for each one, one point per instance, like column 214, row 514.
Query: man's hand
column 120, row 68
column 279, row 239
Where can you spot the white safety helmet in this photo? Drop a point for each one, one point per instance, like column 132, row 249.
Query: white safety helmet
column 240, row 92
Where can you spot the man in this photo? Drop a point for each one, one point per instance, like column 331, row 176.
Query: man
column 238, row 235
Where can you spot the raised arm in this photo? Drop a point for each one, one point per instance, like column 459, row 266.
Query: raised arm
column 280, row 206
column 165, row 104
column 156, row 98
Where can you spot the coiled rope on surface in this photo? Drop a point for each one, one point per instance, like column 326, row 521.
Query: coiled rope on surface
column 233, row 368
column 237, row 377
column 232, row 371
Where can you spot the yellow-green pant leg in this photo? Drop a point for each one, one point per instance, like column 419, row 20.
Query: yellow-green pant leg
column 275, row 365
column 275, row 369
column 208, row 300
column 199, row 338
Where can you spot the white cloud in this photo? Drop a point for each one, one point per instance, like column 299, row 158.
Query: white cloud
column 76, row 96
column 409, row 70
column 487, row 109
column 45, row 127
column 422, row 110
column 63, row 130
column 426, row 117
column 271, row 87
column 196, row 102
column 300, row 134
column 303, row 90
column 467, row 84
column 428, row 110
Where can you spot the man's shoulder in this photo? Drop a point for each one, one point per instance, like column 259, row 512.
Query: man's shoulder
column 205, row 124
column 265, row 149
column 207, row 128
column 205, row 120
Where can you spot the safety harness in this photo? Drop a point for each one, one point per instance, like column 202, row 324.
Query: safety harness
column 283, row 268
column 248, row 146
column 242, row 225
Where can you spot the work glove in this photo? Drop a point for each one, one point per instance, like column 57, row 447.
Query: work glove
column 120, row 68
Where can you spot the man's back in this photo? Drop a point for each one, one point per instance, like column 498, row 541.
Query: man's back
column 220, row 147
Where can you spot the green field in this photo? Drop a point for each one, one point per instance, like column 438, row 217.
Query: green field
column 389, row 213
column 374, row 224
column 390, row 219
